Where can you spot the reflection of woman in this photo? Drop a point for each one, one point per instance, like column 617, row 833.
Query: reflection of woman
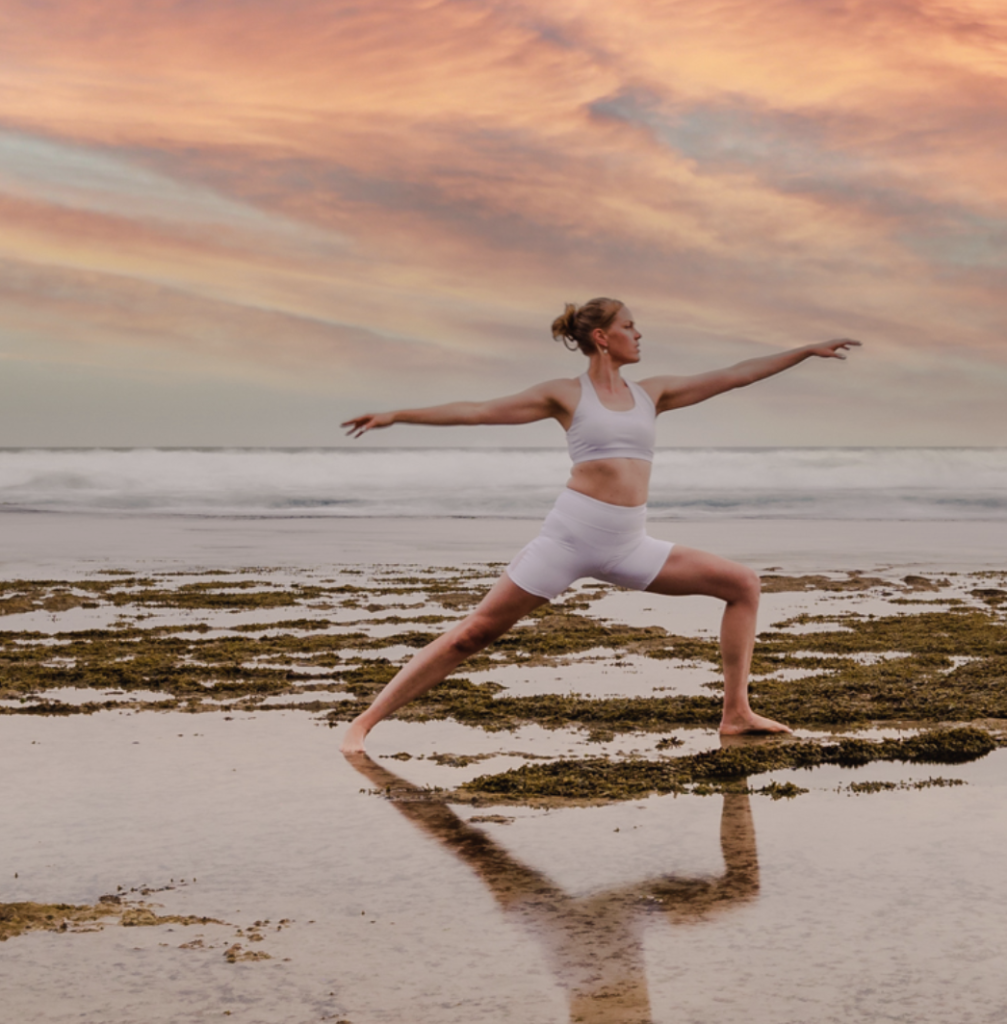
column 597, row 526
column 593, row 943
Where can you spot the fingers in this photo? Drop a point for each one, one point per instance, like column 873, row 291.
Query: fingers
column 838, row 347
column 359, row 425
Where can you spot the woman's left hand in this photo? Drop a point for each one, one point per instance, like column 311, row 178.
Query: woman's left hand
column 833, row 349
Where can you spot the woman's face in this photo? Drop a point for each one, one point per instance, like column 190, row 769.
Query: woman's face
column 622, row 339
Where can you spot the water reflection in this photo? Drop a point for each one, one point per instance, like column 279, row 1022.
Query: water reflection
column 593, row 943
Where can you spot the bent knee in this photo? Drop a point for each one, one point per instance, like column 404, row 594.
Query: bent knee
column 472, row 636
column 746, row 585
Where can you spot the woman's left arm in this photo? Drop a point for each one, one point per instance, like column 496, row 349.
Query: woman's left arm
column 678, row 392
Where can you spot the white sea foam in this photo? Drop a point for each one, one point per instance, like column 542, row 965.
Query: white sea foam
column 834, row 483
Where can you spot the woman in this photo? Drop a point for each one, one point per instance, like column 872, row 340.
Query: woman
column 597, row 526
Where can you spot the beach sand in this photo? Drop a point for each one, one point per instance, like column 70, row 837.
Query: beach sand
column 262, row 877
column 33, row 544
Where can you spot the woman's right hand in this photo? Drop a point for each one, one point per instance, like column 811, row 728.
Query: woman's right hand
column 369, row 421
column 833, row 349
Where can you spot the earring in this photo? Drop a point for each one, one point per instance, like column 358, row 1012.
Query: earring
column 604, row 351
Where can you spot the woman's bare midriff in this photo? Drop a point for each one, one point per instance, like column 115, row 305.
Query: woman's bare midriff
column 615, row 481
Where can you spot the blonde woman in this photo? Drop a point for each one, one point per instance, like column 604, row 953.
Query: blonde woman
column 597, row 527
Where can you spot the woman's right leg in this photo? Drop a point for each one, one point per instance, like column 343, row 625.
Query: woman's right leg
column 688, row 571
column 496, row 613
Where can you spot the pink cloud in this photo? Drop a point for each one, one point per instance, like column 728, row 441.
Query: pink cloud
column 749, row 170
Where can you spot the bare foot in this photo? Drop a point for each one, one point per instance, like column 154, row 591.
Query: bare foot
column 353, row 741
column 749, row 722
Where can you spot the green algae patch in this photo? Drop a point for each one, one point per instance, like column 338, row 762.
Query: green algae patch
column 18, row 918
column 485, row 706
column 22, row 596
column 923, row 684
column 558, row 632
column 144, row 917
column 179, row 643
column 716, row 771
column 165, row 661
column 225, row 593
column 927, row 665
column 854, row 581
column 860, row 788
column 458, row 760
column 781, row 790
column 238, row 954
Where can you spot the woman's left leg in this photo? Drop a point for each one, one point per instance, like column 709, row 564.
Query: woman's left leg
column 688, row 571
column 503, row 606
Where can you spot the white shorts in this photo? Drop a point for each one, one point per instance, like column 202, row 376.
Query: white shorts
column 582, row 536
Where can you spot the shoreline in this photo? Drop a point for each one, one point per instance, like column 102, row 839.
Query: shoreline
column 36, row 545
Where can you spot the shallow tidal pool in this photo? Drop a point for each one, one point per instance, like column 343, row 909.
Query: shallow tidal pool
column 834, row 906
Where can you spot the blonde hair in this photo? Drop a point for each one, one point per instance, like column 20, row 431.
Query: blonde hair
column 576, row 323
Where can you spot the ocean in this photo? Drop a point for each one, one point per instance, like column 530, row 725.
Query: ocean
column 509, row 483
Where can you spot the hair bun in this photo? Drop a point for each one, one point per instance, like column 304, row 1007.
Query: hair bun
column 565, row 324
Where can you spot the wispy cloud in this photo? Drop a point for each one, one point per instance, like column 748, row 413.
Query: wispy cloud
column 379, row 183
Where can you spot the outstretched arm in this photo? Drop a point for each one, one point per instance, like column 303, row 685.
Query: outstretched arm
column 677, row 392
column 538, row 403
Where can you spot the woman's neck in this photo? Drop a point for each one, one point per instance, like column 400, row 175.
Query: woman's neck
column 606, row 376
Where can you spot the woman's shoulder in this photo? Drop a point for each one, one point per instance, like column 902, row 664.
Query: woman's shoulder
column 561, row 388
column 563, row 393
column 564, row 383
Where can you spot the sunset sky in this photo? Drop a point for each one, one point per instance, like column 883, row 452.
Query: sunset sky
column 241, row 222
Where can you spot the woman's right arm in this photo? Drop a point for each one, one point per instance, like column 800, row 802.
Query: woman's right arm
column 554, row 398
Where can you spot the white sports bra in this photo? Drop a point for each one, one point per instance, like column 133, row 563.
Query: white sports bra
column 600, row 433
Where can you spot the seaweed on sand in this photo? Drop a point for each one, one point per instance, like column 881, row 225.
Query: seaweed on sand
column 931, row 665
column 720, row 770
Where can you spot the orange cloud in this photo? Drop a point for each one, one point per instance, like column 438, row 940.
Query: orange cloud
column 742, row 170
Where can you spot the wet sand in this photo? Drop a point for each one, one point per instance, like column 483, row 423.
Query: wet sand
column 56, row 543
column 873, row 895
